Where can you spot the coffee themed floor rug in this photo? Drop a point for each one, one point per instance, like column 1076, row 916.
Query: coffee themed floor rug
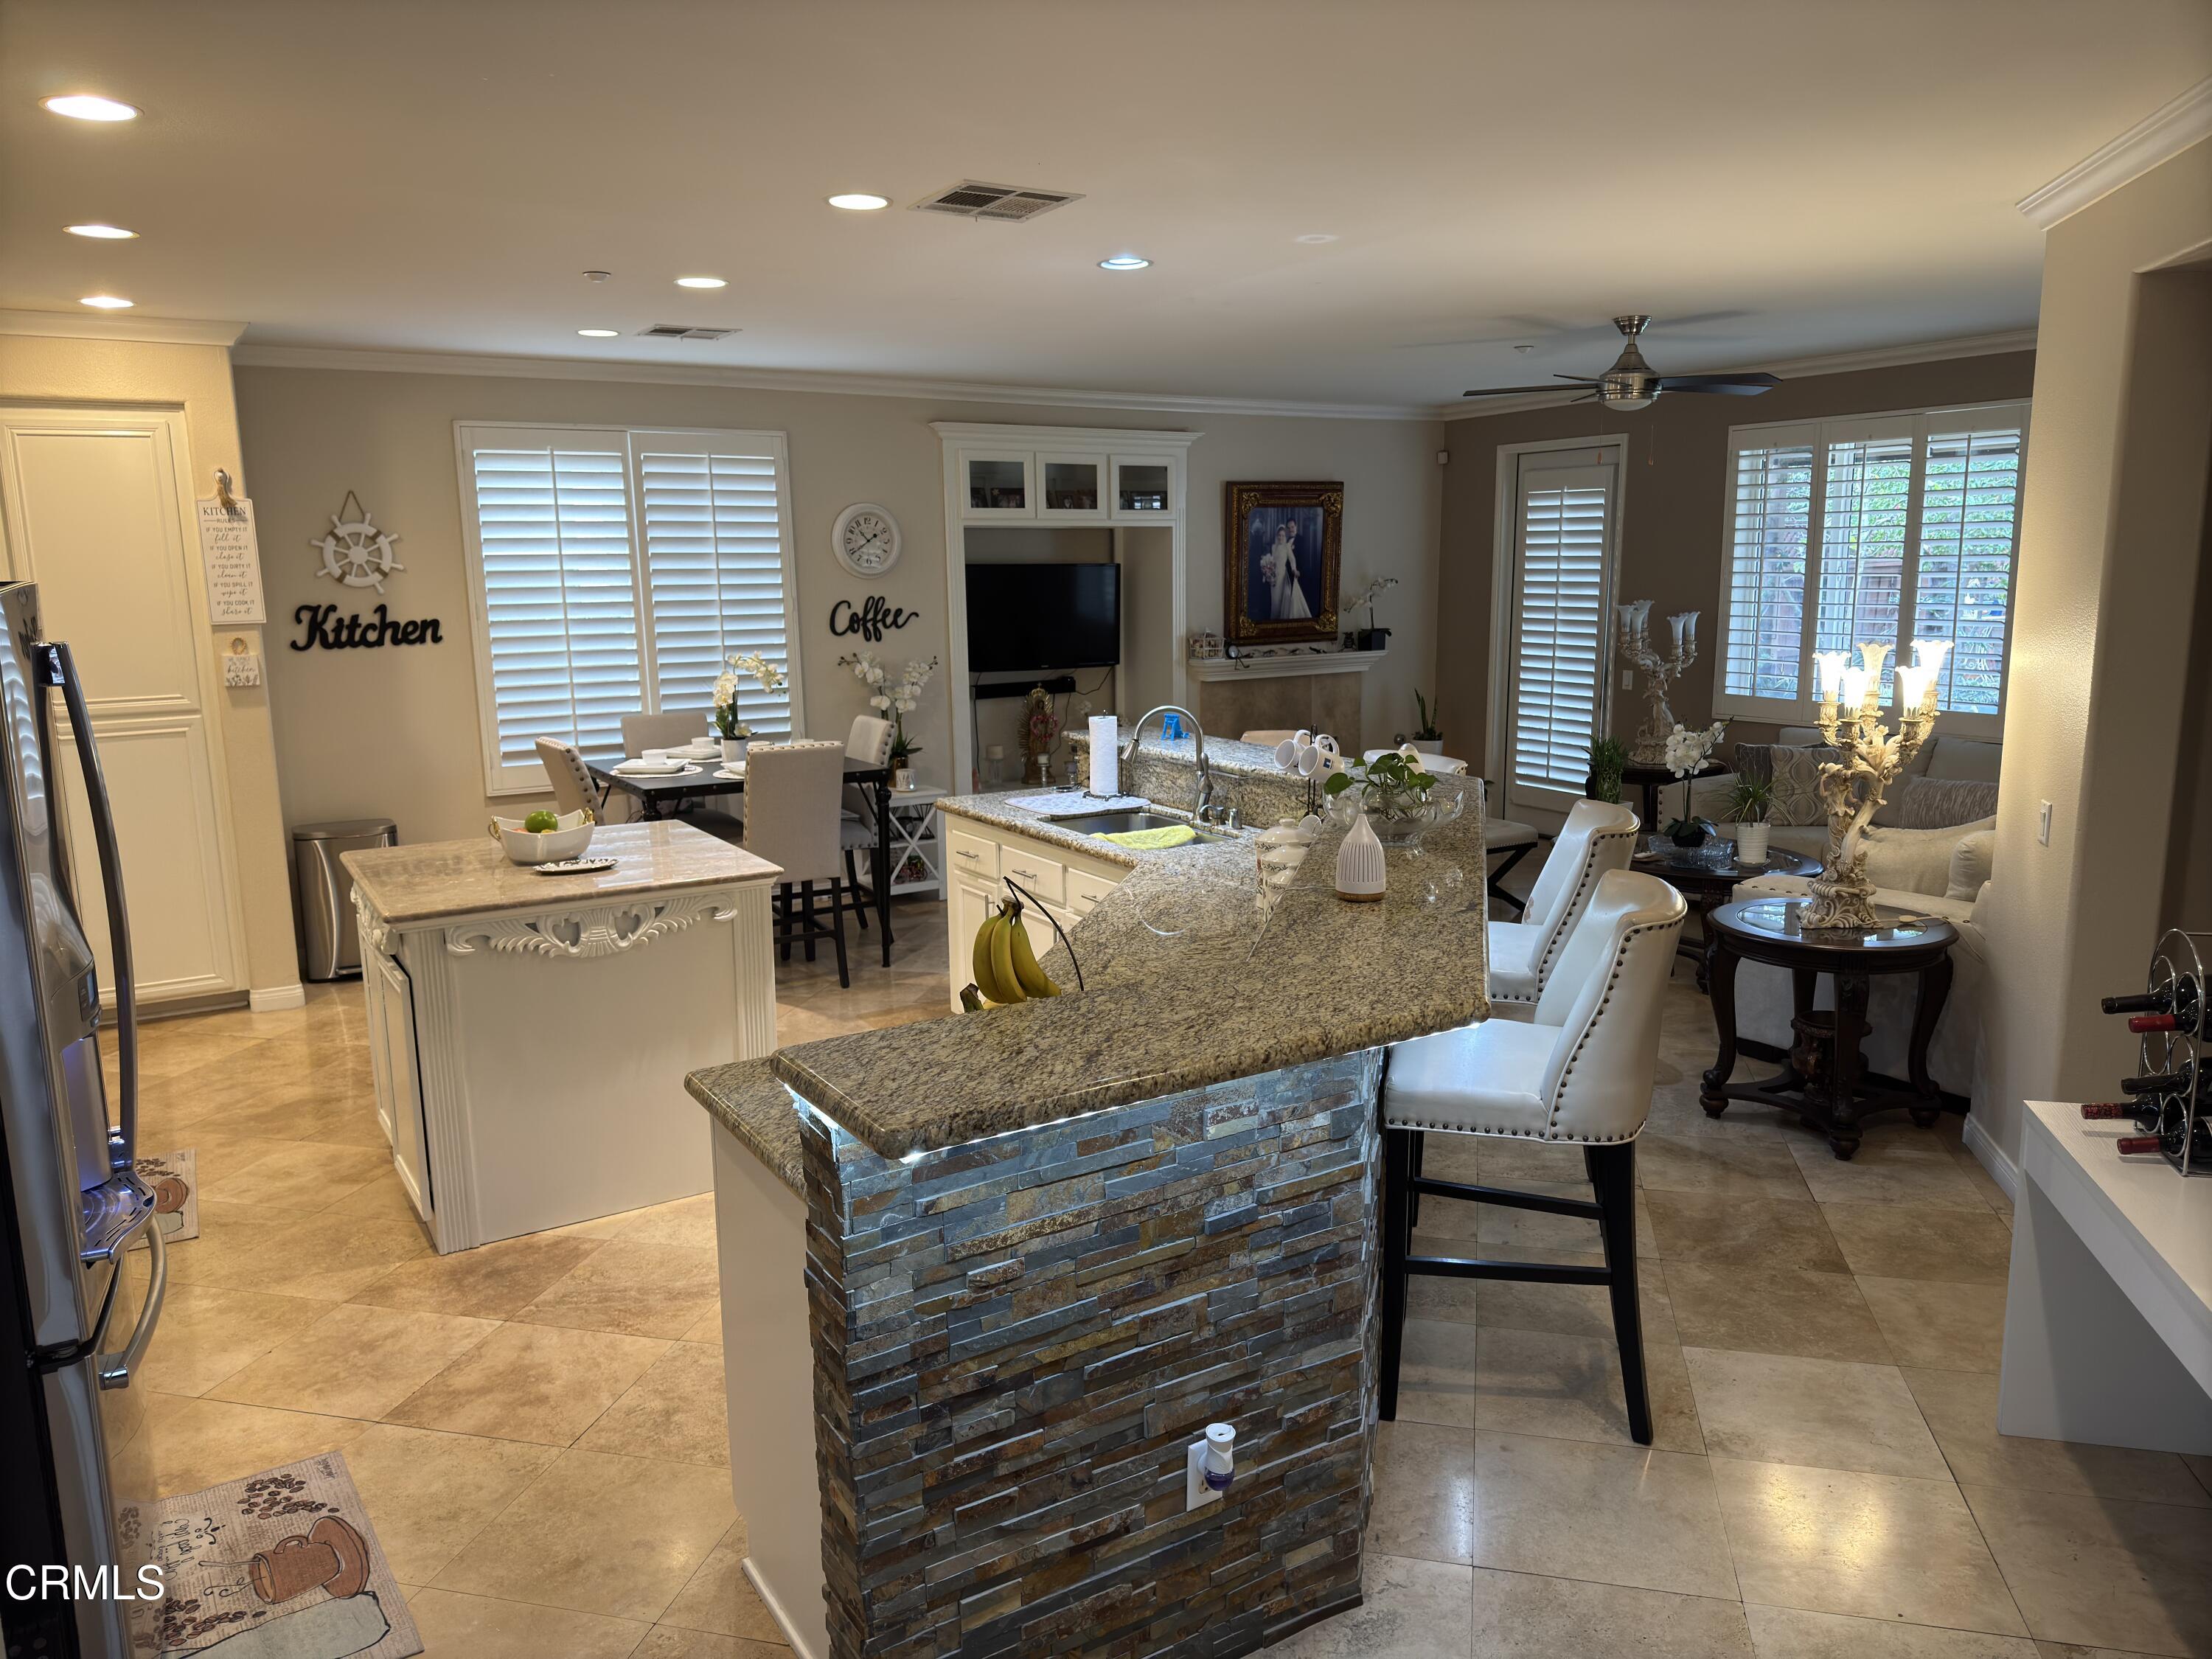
column 283, row 1564
column 175, row 1179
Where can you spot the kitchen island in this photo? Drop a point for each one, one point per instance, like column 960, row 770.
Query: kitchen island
column 528, row 1033
column 1037, row 1249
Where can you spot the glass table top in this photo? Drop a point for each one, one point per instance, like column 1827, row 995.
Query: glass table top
column 1782, row 919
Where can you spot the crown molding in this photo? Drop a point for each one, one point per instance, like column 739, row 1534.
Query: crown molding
column 1791, row 368
column 2167, row 131
column 794, row 380
column 1122, row 437
column 146, row 330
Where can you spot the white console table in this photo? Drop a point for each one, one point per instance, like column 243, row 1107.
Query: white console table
column 2108, row 1318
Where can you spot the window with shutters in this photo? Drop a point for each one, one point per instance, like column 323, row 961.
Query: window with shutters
column 1888, row 527
column 1565, row 512
column 615, row 570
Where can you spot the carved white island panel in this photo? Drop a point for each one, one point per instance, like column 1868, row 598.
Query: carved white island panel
column 530, row 1033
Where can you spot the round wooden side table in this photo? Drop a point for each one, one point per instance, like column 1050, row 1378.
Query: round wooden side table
column 1824, row 1079
column 1706, row 884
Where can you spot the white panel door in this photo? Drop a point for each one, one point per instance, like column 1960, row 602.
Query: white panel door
column 95, row 506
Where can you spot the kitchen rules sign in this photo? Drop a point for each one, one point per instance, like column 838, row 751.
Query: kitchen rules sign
column 233, row 561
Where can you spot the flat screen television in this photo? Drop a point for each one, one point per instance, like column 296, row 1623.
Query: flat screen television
column 1027, row 617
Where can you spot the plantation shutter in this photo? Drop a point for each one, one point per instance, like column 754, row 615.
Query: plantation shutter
column 713, row 513
column 559, row 617
column 1969, row 527
column 1564, row 522
column 1766, row 600
column 1898, row 527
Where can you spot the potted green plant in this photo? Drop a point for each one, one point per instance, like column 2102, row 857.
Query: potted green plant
column 1608, row 759
column 1749, row 803
column 1392, row 790
column 1427, row 737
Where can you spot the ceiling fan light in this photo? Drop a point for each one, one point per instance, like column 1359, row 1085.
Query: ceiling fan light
column 1627, row 402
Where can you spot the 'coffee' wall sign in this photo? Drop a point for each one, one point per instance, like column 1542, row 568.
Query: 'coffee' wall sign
column 870, row 622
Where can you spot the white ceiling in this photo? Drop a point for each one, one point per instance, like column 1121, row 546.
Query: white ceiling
column 436, row 175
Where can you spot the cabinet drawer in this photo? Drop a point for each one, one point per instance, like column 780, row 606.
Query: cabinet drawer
column 1085, row 889
column 1044, row 878
column 972, row 855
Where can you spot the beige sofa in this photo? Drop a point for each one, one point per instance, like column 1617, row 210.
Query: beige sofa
column 1764, row 996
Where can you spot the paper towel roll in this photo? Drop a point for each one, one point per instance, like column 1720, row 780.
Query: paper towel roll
column 1105, row 755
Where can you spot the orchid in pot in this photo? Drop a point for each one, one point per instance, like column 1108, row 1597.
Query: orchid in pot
column 893, row 696
column 1686, row 756
column 729, row 724
column 1394, row 791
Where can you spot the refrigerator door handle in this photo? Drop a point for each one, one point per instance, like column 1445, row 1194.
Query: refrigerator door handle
column 113, row 1370
column 61, row 671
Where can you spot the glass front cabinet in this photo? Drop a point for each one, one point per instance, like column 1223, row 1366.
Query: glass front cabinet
column 1144, row 488
column 1000, row 485
column 1071, row 488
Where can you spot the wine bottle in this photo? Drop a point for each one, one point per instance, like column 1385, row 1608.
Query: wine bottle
column 2177, row 1006
column 2129, row 1145
column 2159, row 1002
column 2160, row 1083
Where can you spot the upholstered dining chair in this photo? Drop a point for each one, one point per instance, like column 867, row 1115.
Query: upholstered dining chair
column 1597, row 837
column 869, row 743
column 574, row 790
column 791, row 820
column 664, row 730
column 1579, row 1072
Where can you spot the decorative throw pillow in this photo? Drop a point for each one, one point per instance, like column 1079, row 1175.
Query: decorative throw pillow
column 1943, row 802
column 1915, row 860
column 1971, row 861
column 1796, row 775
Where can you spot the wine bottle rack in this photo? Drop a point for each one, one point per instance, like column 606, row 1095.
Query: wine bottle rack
column 2175, row 1036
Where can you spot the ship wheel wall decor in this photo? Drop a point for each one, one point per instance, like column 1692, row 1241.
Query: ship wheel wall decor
column 355, row 551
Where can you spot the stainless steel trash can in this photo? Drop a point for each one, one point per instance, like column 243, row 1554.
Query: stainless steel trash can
column 322, row 892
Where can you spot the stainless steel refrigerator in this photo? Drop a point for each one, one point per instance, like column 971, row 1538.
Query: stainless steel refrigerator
column 78, row 1302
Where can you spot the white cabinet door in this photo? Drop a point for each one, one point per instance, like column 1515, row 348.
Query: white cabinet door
column 965, row 908
column 398, row 1081
column 95, row 514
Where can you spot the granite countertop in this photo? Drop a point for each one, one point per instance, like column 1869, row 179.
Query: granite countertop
column 752, row 1102
column 434, row 880
column 1187, row 983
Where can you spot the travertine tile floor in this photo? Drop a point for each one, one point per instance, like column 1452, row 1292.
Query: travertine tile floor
column 537, row 1426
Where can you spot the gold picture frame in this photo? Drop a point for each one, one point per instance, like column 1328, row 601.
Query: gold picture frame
column 1281, row 547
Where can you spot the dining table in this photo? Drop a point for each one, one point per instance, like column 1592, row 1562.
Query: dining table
column 665, row 795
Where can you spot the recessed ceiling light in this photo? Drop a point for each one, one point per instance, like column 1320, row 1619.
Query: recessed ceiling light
column 860, row 201
column 88, row 106
column 1314, row 237
column 106, row 302
column 1123, row 262
column 701, row 282
column 598, row 333
column 104, row 232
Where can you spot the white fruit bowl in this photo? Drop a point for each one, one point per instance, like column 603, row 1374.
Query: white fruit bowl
column 568, row 842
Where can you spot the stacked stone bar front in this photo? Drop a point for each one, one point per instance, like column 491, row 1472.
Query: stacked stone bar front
column 1015, row 1339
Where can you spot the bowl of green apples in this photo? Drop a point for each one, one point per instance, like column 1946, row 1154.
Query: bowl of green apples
column 543, row 838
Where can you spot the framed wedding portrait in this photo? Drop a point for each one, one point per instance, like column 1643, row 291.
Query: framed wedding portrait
column 1280, row 546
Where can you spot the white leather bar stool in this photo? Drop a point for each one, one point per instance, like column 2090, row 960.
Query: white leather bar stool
column 1597, row 837
column 1580, row 1072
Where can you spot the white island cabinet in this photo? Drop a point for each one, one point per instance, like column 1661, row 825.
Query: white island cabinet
column 530, row 1033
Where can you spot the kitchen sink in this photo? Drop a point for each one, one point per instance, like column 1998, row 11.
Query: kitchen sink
column 1116, row 824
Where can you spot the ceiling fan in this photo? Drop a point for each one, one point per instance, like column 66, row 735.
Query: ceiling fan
column 1631, row 383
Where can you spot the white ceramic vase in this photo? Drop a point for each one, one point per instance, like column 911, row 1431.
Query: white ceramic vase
column 734, row 750
column 1751, row 843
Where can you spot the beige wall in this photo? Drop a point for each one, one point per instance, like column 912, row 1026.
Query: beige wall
column 197, row 380
column 1674, row 496
column 393, row 731
column 2097, row 721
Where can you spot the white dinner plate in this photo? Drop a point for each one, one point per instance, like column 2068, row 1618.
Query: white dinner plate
column 628, row 771
column 735, row 773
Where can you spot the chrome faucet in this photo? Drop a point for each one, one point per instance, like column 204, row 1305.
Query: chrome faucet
column 1202, row 797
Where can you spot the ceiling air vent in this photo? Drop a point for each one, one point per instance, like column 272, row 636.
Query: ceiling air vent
column 970, row 200
column 681, row 331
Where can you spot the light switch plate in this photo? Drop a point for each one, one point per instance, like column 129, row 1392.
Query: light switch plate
column 1628, row 679
column 2043, row 822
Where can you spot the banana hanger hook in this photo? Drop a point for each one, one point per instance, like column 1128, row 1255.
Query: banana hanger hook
column 1020, row 893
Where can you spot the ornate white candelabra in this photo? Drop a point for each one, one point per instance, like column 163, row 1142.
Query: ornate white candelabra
column 1659, row 672
column 1853, row 785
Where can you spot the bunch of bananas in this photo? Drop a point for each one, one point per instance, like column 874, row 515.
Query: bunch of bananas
column 1005, row 966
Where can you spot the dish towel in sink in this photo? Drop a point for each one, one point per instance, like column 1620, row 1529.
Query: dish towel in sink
column 1151, row 840
column 1072, row 803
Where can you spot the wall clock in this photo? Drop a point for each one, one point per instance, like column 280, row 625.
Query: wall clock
column 866, row 539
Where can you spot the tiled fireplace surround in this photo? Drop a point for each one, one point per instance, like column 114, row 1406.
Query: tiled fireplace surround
column 1015, row 1339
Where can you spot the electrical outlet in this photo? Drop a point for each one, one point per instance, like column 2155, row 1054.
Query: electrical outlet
column 2043, row 822
column 1628, row 679
column 1195, row 1492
